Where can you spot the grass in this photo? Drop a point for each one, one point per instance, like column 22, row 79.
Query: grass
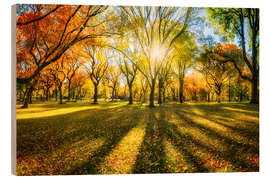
column 114, row 138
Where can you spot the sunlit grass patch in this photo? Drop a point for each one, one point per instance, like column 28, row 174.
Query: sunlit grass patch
column 237, row 109
column 40, row 111
column 122, row 159
column 175, row 160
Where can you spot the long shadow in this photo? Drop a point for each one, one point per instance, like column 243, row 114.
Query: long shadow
column 182, row 142
column 46, row 135
column 232, row 154
column 250, row 133
column 245, row 106
column 238, row 130
column 220, row 109
column 92, row 164
column 151, row 154
column 214, row 133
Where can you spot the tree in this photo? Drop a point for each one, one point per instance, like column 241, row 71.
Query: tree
column 184, row 50
column 113, row 80
column 39, row 45
column 129, row 70
column 163, row 77
column 57, row 70
column 73, row 64
column 46, row 82
column 215, row 71
column 96, row 66
column 78, row 82
column 238, row 21
column 155, row 29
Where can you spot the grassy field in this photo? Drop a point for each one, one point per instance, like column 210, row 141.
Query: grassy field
column 113, row 138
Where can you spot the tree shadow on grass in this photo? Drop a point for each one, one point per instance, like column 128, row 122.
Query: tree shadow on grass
column 182, row 142
column 151, row 154
column 92, row 164
column 234, row 148
column 47, row 134
column 246, row 132
column 87, row 125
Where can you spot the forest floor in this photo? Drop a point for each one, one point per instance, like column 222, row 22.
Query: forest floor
column 116, row 138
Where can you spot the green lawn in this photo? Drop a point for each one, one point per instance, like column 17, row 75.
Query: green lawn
column 109, row 138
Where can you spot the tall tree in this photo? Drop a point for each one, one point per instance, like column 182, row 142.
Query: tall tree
column 238, row 21
column 57, row 70
column 155, row 29
column 216, row 72
column 163, row 77
column 184, row 50
column 129, row 70
column 72, row 65
column 96, row 66
column 113, row 80
column 38, row 42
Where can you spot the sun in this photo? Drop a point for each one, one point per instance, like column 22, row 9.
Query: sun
column 157, row 52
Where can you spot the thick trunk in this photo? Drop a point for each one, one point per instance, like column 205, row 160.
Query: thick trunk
column 152, row 94
column 255, row 91
column 21, row 96
column 69, row 89
column 60, row 94
column 173, row 94
column 130, row 95
column 181, row 84
column 229, row 90
column 159, row 92
column 241, row 95
column 28, row 97
column 144, row 95
column 24, row 95
column 95, row 94
column 47, row 94
column 56, row 94
column 163, row 95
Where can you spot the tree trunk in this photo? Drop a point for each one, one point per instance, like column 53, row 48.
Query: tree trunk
column 229, row 90
column 69, row 89
column 60, row 93
column 152, row 94
column 24, row 95
column 130, row 95
column 181, row 84
column 28, row 96
column 241, row 95
column 144, row 95
column 255, row 91
column 173, row 94
column 160, row 92
column 21, row 96
column 113, row 94
column 56, row 94
column 164, row 97
column 95, row 94
column 26, row 99
column 47, row 94
column 218, row 97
